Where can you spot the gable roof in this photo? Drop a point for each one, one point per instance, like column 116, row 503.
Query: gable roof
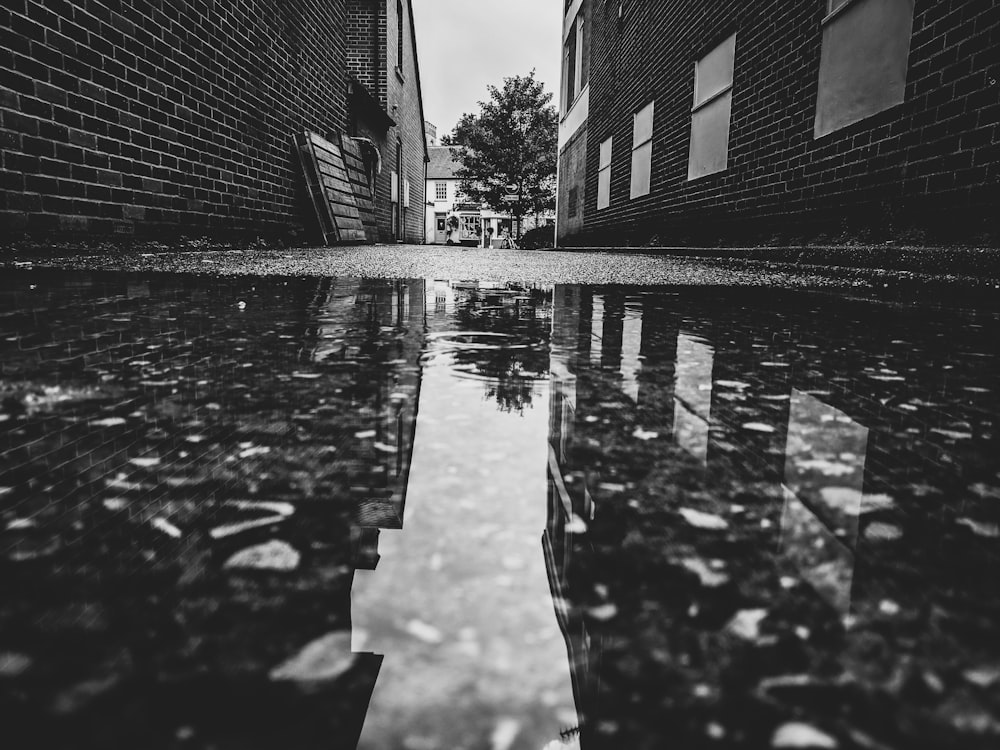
column 444, row 162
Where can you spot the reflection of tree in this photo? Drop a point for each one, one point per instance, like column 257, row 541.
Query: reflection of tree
column 511, row 368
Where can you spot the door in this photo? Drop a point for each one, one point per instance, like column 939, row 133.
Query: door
column 440, row 229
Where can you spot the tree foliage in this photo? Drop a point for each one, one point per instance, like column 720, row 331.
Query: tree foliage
column 512, row 141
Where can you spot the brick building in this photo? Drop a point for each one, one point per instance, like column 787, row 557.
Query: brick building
column 165, row 118
column 715, row 122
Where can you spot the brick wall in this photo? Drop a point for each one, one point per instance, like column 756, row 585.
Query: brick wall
column 403, row 105
column 572, row 183
column 927, row 170
column 397, row 91
column 150, row 117
column 364, row 43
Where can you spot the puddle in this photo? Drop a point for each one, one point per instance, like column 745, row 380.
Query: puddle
column 257, row 513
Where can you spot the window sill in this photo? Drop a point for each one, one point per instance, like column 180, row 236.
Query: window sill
column 835, row 14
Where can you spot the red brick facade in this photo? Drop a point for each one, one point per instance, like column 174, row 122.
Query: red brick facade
column 153, row 118
column 926, row 170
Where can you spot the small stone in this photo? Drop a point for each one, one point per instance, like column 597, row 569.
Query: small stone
column 424, row 632
column 273, row 555
column 642, row 434
column 326, row 658
column 13, row 664
column 758, row 427
column 883, row 532
column 603, row 612
column 986, row 530
column 746, row 624
column 704, row 520
column 984, row 677
column 715, row 730
column 797, row 734
column 888, row 607
column 708, row 577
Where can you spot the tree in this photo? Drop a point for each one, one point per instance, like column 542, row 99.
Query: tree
column 461, row 135
column 509, row 160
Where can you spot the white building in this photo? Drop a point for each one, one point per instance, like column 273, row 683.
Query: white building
column 445, row 201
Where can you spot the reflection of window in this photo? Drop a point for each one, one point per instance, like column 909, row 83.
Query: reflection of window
column 642, row 150
column 863, row 61
column 597, row 329
column 631, row 351
column 693, row 395
column 604, row 176
column 394, row 186
column 712, row 113
column 824, row 476
column 441, row 191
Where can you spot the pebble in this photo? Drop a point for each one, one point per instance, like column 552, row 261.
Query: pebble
column 424, row 632
column 326, row 658
column 799, row 735
column 987, row 530
column 708, row 577
column 13, row 664
column 884, row 532
column 746, row 624
column 603, row 612
column 272, row 555
column 701, row 520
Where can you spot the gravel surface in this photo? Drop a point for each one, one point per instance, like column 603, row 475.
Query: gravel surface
column 429, row 261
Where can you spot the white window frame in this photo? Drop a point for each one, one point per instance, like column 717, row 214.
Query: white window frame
column 847, row 95
column 642, row 151
column 440, row 187
column 604, row 175
column 706, row 98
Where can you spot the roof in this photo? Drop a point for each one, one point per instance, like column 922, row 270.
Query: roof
column 444, row 162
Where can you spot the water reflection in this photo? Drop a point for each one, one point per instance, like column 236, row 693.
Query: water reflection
column 406, row 514
column 711, row 607
column 824, row 477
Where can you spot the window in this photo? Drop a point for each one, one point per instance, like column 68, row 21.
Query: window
column 394, row 186
column 441, row 191
column 604, row 176
column 713, row 109
column 569, row 71
column 642, row 150
column 863, row 60
column 399, row 35
column 406, row 194
column 576, row 67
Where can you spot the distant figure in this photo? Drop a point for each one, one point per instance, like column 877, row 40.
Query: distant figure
column 506, row 243
column 489, row 236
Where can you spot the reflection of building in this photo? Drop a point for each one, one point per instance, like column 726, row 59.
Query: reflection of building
column 772, row 423
column 219, row 416
column 714, row 121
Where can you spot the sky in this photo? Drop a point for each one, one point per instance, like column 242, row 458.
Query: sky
column 467, row 45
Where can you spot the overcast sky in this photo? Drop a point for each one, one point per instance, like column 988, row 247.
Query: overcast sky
column 466, row 45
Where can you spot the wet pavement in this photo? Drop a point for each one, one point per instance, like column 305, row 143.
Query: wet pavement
column 243, row 511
